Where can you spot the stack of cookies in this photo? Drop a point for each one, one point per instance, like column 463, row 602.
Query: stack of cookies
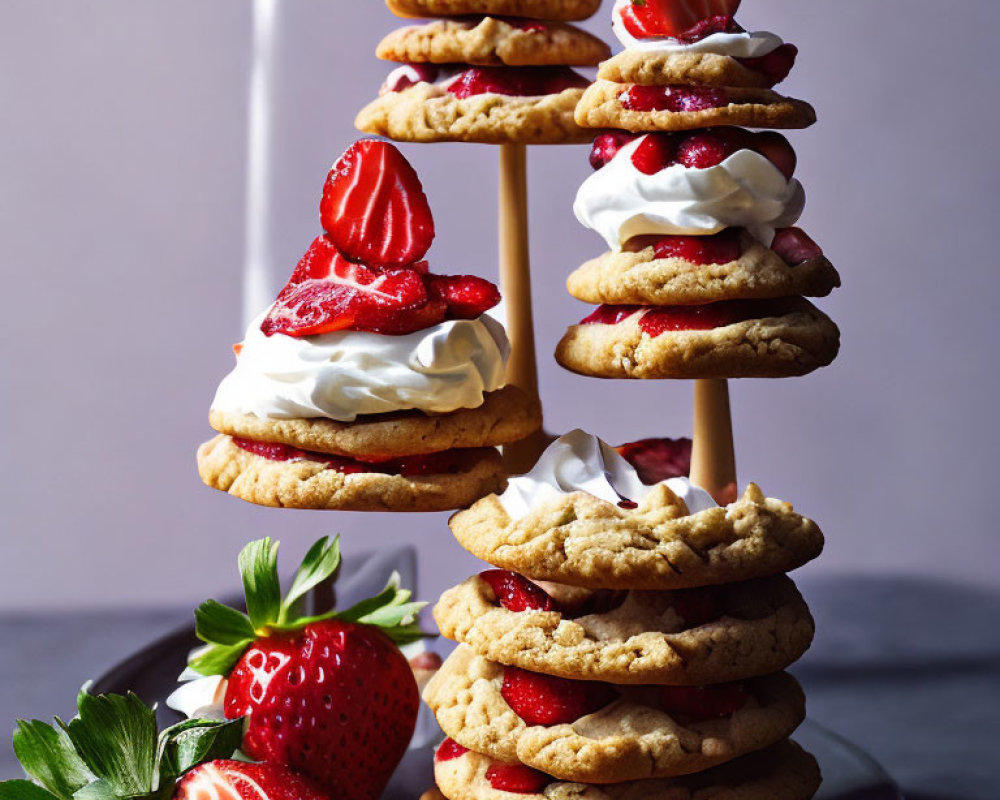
column 630, row 643
column 706, row 275
column 489, row 71
column 370, row 384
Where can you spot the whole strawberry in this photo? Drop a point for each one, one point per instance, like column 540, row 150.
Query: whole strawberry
column 330, row 695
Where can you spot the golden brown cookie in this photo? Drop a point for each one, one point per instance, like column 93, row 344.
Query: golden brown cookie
column 506, row 415
column 781, row 772
column 313, row 485
column 788, row 343
column 761, row 627
column 584, row 541
column 681, row 69
column 425, row 113
column 493, row 42
column 640, row 278
column 630, row 739
column 562, row 10
column 601, row 107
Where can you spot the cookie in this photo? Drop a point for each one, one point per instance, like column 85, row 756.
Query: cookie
column 759, row 627
column 493, row 42
column 782, row 771
column 601, row 107
column 630, row 739
column 681, row 69
column 562, row 10
column 640, row 278
column 583, row 541
column 425, row 113
column 794, row 341
column 313, row 485
column 506, row 415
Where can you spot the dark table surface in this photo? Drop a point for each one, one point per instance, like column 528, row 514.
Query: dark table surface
column 907, row 669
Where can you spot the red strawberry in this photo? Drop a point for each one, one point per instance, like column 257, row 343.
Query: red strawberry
column 677, row 99
column 720, row 23
column 465, row 296
column 664, row 319
column 776, row 149
column 795, row 246
column 516, row 778
column 658, row 460
column 516, row 81
column 611, row 315
column 374, row 207
column 673, row 18
column 330, row 695
column 655, row 152
column 700, row 703
column 238, row 780
column 516, row 593
column 707, row 148
column 775, row 65
column 408, row 75
column 607, row 145
column 450, row 749
column 546, row 700
column 720, row 248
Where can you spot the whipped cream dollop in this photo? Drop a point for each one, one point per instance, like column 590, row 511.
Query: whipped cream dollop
column 579, row 462
column 737, row 45
column 744, row 191
column 341, row 375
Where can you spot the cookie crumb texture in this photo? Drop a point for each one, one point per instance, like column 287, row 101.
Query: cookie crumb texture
column 601, row 107
column 493, row 42
column 422, row 113
column 783, row 771
column 763, row 626
column 627, row 740
column 583, row 541
column 791, row 345
column 224, row 466
column 559, row 10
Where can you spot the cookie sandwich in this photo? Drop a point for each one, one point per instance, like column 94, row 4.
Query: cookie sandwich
column 489, row 71
column 370, row 383
column 706, row 274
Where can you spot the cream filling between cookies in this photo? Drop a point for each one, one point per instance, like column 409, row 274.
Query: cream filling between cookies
column 735, row 45
column 342, row 375
column 746, row 190
column 579, row 462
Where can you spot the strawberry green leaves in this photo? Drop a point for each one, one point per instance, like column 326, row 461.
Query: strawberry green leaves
column 227, row 632
column 112, row 751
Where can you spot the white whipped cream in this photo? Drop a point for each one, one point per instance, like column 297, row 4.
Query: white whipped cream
column 744, row 191
column 341, row 375
column 736, row 45
column 579, row 462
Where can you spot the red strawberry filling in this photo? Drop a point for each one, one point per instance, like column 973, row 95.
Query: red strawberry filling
column 516, row 593
column 658, row 460
column 449, row 462
column 546, row 700
column 686, row 20
column 402, row 78
column 700, row 703
column 516, row 81
column 328, row 293
column 794, row 246
column 721, row 248
column 677, row 99
column 775, row 65
column 516, row 778
column 657, row 320
column 450, row 749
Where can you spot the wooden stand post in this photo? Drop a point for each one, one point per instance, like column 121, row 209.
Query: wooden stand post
column 713, row 459
column 515, row 285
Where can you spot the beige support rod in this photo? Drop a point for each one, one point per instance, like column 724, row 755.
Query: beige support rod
column 713, row 459
column 515, row 285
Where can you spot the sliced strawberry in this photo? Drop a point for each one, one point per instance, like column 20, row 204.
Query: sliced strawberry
column 795, row 246
column 516, row 778
column 607, row 145
column 700, row 703
column 516, row 81
column 516, row 593
column 658, row 460
column 708, row 148
column 465, row 296
column 775, row 65
column 546, row 700
column 450, row 749
column 655, row 152
column 720, row 23
column 374, row 207
column 644, row 18
column 676, row 99
column 720, row 248
column 776, row 149
column 611, row 315
column 238, row 780
column 408, row 75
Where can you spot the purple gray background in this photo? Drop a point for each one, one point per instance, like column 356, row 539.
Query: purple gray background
column 121, row 241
